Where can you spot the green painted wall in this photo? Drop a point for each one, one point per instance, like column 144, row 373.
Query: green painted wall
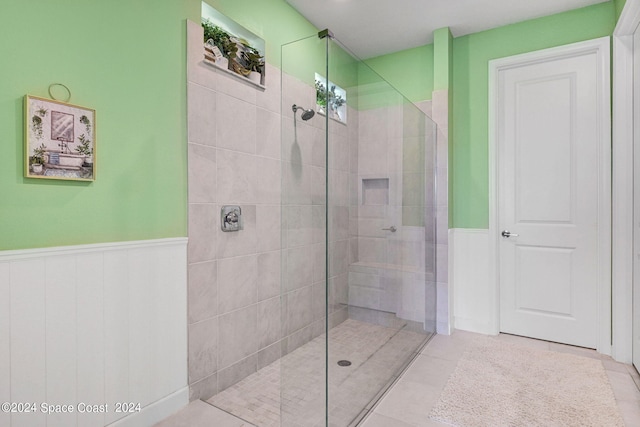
column 472, row 53
column 410, row 71
column 127, row 61
column 443, row 60
column 619, row 4
column 443, row 80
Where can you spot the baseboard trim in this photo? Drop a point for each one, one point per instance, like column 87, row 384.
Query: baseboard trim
column 156, row 411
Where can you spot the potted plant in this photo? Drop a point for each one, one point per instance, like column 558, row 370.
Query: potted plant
column 37, row 160
column 321, row 97
column 335, row 102
column 254, row 62
column 230, row 49
column 218, row 45
column 85, row 149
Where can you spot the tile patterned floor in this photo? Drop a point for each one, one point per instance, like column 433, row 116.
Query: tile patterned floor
column 295, row 383
column 409, row 401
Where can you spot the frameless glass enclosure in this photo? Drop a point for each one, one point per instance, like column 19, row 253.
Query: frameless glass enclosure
column 358, row 234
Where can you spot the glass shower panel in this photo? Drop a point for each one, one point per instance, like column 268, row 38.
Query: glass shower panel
column 303, row 290
column 387, row 293
column 358, row 234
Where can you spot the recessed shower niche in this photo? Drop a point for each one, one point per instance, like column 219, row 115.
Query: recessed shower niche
column 375, row 191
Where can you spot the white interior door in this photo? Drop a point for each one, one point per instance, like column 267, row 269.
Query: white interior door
column 549, row 140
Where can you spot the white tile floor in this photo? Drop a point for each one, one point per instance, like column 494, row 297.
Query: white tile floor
column 410, row 400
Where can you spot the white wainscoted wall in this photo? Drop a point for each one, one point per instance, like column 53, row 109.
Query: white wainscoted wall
column 94, row 324
column 469, row 278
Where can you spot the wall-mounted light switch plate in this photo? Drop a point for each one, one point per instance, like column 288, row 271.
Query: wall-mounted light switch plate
column 231, row 218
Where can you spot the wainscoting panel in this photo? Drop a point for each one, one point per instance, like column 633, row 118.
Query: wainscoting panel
column 97, row 325
column 5, row 339
column 469, row 277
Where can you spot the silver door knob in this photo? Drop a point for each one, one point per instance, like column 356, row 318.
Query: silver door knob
column 391, row 229
column 507, row 234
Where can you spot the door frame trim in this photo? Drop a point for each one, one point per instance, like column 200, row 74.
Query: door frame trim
column 623, row 186
column 601, row 47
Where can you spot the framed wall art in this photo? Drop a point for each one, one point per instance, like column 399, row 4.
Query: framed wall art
column 60, row 140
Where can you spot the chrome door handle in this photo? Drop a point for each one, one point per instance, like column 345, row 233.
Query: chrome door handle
column 391, row 229
column 507, row 234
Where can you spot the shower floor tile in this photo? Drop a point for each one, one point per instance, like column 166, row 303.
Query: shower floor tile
column 291, row 391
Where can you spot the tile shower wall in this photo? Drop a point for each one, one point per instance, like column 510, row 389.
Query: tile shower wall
column 259, row 293
column 304, row 216
column 234, row 278
column 389, row 272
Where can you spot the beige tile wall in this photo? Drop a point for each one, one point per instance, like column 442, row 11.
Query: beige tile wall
column 234, row 278
column 259, row 293
column 394, row 142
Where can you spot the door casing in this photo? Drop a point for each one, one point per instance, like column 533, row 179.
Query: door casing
column 601, row 47
column 624, row 277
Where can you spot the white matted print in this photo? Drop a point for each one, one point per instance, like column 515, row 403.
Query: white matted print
column 60, row 140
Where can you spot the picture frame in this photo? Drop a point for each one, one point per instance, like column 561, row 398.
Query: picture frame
column 59, row 140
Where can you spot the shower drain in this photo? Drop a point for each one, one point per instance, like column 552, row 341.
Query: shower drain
column 344, row 363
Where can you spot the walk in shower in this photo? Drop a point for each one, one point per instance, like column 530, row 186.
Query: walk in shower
column 314, row 328
column 358, row 234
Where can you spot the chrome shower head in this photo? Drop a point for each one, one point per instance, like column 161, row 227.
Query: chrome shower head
column 306, row 114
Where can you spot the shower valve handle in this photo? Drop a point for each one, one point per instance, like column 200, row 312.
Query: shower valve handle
column 391, row 229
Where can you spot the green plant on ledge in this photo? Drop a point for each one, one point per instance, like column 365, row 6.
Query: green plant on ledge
column 321, row 94
column 220, row 38
column 254, row 61
column 230, row 49
column 337, row 101
column 329, row 98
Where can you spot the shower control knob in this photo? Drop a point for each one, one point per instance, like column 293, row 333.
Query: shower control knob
column 232, row 217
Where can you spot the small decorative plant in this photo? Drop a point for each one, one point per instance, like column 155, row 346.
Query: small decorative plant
column 87, row 124
column 219, row 37
column 214, row 33
column 38, row 155
column 337, row 101
column 321, row 94
column 253, row 60
column 84, row 147
column 230, row 49
column 36, row 125
column 329, row 98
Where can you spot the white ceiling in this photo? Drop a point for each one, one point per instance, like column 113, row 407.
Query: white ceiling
column 376, row 27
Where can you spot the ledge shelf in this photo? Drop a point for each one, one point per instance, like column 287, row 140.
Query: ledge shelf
column 233, row 74
column 247, row 44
